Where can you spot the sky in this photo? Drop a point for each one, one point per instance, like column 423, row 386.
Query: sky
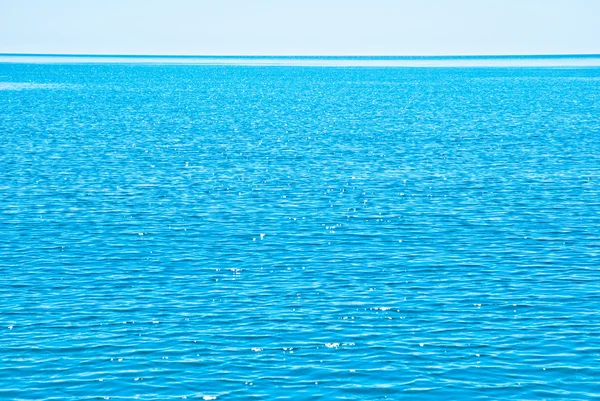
column 300, row 27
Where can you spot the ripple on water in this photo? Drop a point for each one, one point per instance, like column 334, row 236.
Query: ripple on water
column 172, row 231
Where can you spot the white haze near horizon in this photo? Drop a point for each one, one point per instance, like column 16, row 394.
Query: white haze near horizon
column 300, row 27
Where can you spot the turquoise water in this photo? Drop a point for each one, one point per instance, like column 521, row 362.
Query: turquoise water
column 289, row 232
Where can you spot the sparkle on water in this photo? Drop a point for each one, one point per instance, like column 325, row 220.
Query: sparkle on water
column 226, row 232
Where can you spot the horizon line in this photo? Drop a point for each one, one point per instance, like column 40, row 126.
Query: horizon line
column 301, row 56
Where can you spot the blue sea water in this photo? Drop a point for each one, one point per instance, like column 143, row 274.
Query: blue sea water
column 292, row 232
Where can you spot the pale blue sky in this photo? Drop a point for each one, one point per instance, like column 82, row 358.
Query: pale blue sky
column 300, row 27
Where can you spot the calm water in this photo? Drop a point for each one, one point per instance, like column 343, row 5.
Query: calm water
column 247, row 232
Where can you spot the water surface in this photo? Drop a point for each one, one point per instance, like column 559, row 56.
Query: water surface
column 287, row 232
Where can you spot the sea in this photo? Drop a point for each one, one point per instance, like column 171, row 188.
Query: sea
column 299, row 228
